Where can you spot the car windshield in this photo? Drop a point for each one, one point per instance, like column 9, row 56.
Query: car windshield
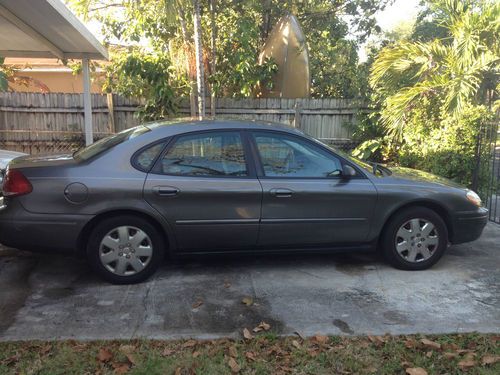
column 107, row 143
column 360, row 163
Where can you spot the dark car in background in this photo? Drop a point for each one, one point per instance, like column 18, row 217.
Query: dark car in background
column 201, row 187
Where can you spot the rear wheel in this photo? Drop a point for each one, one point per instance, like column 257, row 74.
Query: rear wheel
column 414, row 239
column 125, row 249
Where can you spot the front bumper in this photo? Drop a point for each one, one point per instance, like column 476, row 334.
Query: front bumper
column 24, row 230
column 468, row 225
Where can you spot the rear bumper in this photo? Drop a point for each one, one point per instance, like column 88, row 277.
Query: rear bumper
column 468, row 226
column 24, row 230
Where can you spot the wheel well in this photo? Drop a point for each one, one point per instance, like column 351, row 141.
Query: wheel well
column 87, row 229
column 437, row 208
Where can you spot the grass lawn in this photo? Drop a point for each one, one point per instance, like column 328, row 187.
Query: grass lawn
column 260, row 353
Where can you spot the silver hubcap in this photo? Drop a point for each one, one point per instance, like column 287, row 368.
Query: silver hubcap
column 417, row 240
column 125, row 250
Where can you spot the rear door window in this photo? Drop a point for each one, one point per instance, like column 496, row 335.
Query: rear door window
column 218, row 154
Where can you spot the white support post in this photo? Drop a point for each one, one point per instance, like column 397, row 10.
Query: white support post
column 87, row 104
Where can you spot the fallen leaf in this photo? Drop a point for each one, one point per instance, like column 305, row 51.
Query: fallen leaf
column 247, row 301
column 131, row 358
column 121, row 368
column 313, row 352
column 235, row 368
column 296, row 344
column 263, row 326
column 233, row 352
column 428, row 354
column 416, row 371
column 490, row 359
column 472, row 345
column 104, row 355
column 189, row 344
column 450, row 346
column 250, row 356
column 321, row 339
column 197, row 304
column 79, row 347
column 430, row 344
column 45, row 349
column 166, row 352
column 466, row 363
column 378, row 340
column 196, row 354
column 410, row 344
column 247, row 334
column 449, row 355
column 126, row 349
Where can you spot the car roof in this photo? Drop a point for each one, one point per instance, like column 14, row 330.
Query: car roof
column 178, row 126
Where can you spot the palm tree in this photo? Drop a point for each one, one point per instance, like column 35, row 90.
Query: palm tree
column 455, row 68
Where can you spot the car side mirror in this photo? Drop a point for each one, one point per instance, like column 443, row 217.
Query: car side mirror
column 348, row 171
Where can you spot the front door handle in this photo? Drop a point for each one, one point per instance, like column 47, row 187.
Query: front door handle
column 281, row 193
column 166, row 191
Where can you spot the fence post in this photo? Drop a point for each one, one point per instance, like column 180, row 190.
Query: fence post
column 111, row 112
column 297, row 119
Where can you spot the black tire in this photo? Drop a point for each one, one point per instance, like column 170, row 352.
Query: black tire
column 103, row 228
column 389, row 238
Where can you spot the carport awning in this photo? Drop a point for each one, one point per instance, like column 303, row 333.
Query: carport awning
column 47, row 28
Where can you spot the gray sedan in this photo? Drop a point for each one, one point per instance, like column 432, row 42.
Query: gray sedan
column 222, row 187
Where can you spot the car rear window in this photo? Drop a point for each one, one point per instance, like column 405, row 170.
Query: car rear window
column 107, row 143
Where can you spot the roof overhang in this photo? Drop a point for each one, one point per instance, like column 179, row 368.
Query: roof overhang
column 45, row 28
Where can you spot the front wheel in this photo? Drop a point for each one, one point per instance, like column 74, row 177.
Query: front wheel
column 125, row 249
column 415, row 239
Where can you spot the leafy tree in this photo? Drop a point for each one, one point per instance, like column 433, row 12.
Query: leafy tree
column 333, row 29
column 432, row 96
column 456, row 71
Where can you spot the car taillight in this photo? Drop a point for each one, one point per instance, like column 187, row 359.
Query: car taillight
column 15, row 183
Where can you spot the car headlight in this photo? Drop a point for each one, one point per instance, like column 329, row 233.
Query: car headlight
column 473, row 198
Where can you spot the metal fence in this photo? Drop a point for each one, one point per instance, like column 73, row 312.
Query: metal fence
column 491, row 167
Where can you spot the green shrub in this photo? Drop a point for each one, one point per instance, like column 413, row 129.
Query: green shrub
column 448, row 147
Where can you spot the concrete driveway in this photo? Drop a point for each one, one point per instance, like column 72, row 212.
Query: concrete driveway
column 54, row 297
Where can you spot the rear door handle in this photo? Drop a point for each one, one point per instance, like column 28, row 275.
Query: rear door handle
column 281, row 193
column 166, row 191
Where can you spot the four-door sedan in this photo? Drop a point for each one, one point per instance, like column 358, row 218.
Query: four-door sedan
column 202, row 187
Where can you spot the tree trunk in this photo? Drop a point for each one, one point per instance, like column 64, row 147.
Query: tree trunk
column 266, row 19
column 214, row 56
column 187, row 41
column 199, row 59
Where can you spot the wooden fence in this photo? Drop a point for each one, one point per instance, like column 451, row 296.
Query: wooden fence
column 40, row 123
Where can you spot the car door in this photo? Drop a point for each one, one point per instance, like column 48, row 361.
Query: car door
column 208, row 192
column 306, row 201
